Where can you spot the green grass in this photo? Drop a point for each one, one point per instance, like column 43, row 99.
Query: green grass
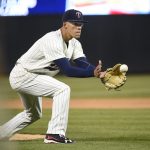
column 136, row 86
column 99, row 129
column 94, row 129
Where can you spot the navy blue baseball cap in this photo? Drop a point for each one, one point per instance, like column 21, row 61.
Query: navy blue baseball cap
column 73, row 15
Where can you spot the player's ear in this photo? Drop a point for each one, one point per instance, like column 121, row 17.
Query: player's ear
column 65, row 25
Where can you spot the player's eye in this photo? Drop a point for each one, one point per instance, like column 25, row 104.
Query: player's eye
column 79, row 24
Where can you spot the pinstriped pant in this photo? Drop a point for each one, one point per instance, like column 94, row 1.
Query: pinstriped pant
column 31, row 88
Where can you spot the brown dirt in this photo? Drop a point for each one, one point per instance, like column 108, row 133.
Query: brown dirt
column 89, row 103
column 82, row 104
column 26, row 137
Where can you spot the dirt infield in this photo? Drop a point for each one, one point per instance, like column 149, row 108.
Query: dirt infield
column 26, row 137
column 89, row 103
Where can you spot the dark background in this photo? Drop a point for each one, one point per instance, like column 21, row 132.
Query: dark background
column 113, row 39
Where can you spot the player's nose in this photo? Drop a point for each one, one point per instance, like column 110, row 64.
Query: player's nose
column 79, row 28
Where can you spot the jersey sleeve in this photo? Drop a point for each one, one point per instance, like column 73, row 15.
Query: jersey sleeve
column 52, row 48
column 78, row 51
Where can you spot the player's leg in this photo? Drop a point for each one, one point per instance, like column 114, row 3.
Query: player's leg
column 32, row 112
column 44, row 85
column 60, row 108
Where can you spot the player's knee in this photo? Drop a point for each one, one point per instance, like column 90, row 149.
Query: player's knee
column 63, row 89
column 66, row 89
column 37, row 116
column 33, row 116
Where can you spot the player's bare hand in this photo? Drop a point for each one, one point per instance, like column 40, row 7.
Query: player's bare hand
column 98, row 69
column 102, row 74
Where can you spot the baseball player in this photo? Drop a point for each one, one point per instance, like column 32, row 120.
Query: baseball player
column 33, row 78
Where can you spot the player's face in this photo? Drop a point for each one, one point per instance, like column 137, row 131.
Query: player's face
column 74, row 29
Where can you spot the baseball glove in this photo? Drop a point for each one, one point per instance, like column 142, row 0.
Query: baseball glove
column 113, row 78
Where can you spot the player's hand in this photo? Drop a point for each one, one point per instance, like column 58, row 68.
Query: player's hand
column 97, row 71
column 102, row 74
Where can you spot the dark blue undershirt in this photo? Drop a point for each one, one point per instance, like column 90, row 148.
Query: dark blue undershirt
column 82, row 69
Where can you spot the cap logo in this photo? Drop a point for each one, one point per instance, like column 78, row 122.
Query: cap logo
column 78, row 14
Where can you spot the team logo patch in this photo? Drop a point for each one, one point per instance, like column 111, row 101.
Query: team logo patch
column 78, row 14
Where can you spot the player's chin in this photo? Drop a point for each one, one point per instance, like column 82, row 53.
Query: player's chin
column 77, row 36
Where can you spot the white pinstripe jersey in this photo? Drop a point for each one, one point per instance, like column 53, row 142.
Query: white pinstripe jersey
column 47, row 49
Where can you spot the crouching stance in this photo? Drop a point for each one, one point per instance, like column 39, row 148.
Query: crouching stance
column 33, row 78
